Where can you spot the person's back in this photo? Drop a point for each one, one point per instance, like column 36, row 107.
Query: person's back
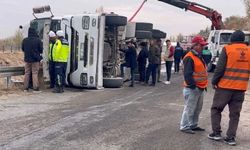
column 132, row 57
column 143, row 55
column 32, row 47
column 178, row 53
column 153, row 55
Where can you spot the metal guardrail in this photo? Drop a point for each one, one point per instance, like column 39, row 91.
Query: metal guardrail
column 8, row 72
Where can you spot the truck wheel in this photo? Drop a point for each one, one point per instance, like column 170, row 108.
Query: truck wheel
column 143, row 34
column 112, row 82
column 144, row 26
column 115, row 20
column 157, row 34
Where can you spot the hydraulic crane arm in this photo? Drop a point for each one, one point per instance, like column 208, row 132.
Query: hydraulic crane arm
column 213, row 15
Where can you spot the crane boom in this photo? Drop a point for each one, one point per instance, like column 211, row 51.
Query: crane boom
column 137, row 11
column 211, row 14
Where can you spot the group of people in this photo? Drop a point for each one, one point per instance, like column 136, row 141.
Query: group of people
column 148, row 62
column 230, row 81
column 58, row 56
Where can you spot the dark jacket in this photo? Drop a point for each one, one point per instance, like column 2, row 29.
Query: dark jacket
column 32, row 47
column 189, row 69
column 178, row 53
column 130, row 57
column 220, row 67
column 154, row 55
column 142, row 57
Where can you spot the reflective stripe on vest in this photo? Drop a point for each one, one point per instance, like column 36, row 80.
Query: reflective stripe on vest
column 200, row 74
column 237, row 71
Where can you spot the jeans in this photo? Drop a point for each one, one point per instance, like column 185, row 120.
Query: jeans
column 122, row 69
column 168, row 69
column 60, row 72
column 152, row 68
column 193, row 106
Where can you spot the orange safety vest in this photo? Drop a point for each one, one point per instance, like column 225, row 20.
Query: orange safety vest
column 237, row 71
column 200, row 74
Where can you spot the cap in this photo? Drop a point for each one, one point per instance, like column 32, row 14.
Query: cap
column 200, row 40
column 60, row 33
column 52, row 34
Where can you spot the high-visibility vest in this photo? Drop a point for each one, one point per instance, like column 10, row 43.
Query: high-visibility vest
column 237, row 70
column 200, row 74
column 61, row 51
column 52, row 47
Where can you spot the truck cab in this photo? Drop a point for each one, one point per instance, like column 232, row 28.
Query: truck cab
column 94, row 41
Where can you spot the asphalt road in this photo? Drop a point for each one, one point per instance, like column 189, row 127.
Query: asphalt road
column 139, row 118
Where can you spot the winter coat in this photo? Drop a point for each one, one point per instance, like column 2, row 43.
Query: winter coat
column 130, row 57
column 142, row 57
column 178, row 53
column 154, row 55
column 32, row 47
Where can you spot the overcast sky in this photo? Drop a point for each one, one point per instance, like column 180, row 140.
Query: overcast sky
column 164, row 17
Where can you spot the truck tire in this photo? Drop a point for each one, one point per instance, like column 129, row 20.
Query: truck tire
column 115, row 20
column 112, row 82
column 157, row 34
column 143, row 34
column 144, row 26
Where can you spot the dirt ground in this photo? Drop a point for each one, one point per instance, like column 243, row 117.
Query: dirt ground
column 11, row 59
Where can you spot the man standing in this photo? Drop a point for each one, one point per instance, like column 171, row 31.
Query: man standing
column 32, row 48
column 169, row 58
column 178, row 54
column 153, row 58
column 130, row 57
column 196, row 81
column 52, row 47
column 230, row 82
column 142, row 61
column 61, row 53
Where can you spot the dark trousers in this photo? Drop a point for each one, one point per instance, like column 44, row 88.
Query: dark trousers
column 132, row 74
column 142, row 72
column 60, row 72
column 177, row 65
column 52, row 74
column 234, row 100
column 159, row 72
column 168, row 69
column 151, row 70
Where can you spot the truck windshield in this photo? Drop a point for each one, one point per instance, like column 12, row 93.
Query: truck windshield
column 38, row 24
column 225, row 38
